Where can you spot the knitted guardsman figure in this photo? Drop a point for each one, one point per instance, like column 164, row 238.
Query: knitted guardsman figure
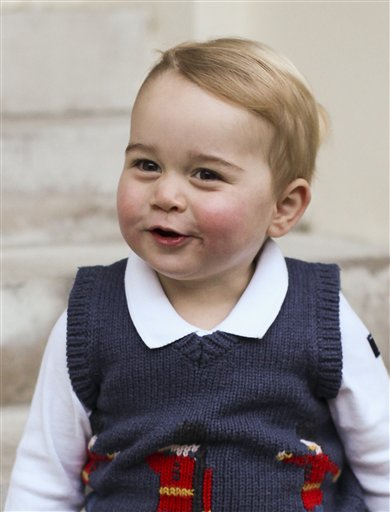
column 316, row 465
column 185, row 484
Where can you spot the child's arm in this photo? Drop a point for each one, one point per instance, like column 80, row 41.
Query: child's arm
column 361, row 412
column 46, row 474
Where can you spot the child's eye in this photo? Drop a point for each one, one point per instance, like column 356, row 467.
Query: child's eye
column 146, row 165
column 207, row 175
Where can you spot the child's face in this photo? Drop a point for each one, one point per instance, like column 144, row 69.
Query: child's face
column 195, row 198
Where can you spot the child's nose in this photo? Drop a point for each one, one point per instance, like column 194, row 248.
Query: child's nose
column 168, row 194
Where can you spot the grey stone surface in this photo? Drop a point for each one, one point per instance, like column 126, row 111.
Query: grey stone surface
column 72, row 56
column 36, row 283
column 62, row 154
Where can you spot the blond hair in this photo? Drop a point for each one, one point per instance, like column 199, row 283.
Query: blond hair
column 253, row 76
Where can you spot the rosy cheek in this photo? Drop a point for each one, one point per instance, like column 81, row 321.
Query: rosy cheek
column 222, row 220
column 127, row 199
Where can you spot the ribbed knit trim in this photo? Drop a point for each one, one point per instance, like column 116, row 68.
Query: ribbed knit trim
column 78, row 337
column 328, row 331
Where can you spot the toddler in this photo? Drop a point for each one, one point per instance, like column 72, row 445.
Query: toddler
column 206, row 372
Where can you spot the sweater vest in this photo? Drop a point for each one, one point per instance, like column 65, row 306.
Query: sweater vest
column 218, row 423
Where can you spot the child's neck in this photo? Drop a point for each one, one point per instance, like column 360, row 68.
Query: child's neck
column 205, row 304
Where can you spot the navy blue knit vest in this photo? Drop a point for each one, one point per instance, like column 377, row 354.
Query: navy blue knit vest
column 216, row 423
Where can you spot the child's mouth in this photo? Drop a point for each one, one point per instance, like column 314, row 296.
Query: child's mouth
column 167, row 234
column 168, row 237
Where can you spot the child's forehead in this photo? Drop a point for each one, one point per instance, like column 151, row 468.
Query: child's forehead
column 170, row 103
column 171, row 89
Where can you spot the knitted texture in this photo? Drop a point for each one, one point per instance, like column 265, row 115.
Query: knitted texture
column 217, row 423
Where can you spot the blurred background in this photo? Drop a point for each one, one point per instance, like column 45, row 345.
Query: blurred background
column 70, row 72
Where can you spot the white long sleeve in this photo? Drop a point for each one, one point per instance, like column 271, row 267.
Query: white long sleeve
column 46, row 474
column 361, row 411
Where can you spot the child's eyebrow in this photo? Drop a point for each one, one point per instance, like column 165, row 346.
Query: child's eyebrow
column 204, row 157
column 138, row 145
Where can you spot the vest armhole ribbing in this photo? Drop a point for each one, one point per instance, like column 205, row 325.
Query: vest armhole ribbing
column 328, row 331
column 78, row 353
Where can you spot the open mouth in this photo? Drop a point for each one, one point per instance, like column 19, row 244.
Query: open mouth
column 168, row 237
column 167, row 234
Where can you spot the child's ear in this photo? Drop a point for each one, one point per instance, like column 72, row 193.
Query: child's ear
column 290, row 207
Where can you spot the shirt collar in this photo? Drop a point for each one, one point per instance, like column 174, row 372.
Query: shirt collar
column 158, row 324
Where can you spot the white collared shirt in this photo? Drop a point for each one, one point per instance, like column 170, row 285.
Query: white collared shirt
column 148, row 304
column 46, row 474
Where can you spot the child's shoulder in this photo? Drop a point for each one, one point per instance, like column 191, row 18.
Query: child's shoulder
column 325, row 272
column 92, row 272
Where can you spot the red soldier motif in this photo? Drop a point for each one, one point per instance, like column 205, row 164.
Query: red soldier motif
column 94, row 459
column 185, row 484
column 316, row 465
